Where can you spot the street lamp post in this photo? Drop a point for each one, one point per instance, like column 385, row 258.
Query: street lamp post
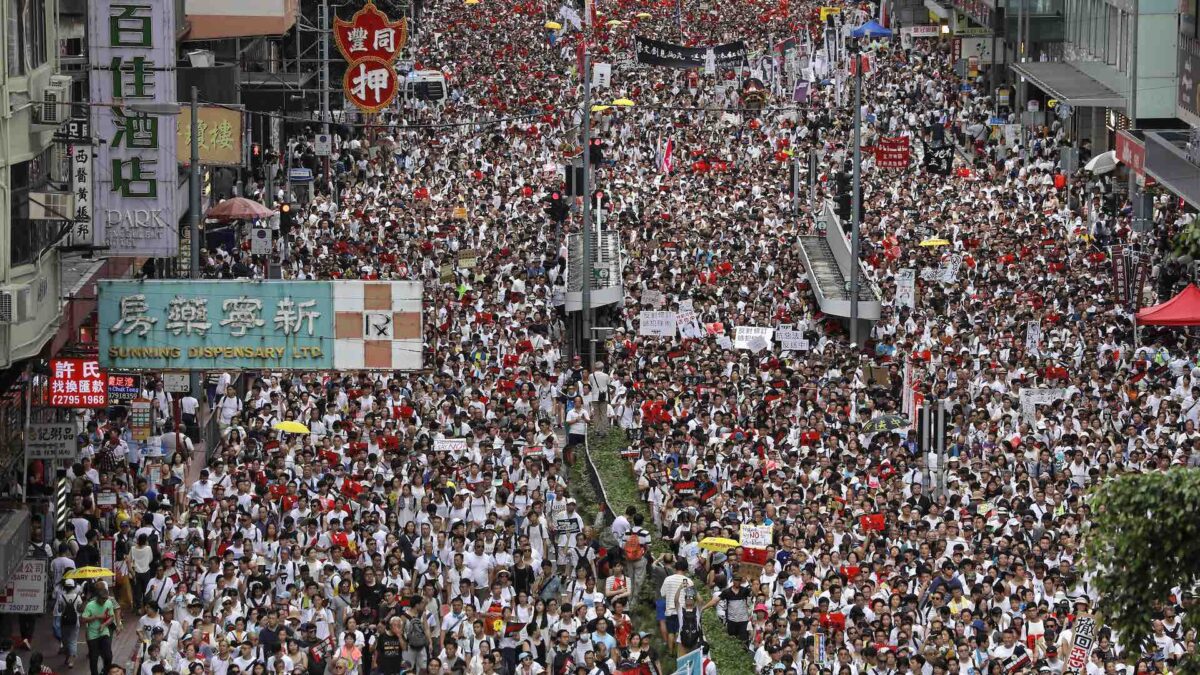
column 856, row 202
column 194, row 213
column 587, row 207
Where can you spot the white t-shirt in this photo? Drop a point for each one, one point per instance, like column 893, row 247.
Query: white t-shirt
column 577, row 421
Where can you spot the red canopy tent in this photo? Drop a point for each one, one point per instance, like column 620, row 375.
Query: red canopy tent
column 1181, row 310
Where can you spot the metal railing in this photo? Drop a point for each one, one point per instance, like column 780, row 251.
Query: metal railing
column 210, row 431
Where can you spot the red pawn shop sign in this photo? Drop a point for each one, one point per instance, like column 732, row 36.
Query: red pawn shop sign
column 370, row 84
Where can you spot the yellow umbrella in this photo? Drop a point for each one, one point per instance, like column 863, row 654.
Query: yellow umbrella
column 718, row 544
column 553, row 25
column 623, row 102
column 643, row 15
column 88, row 573
column 615, row 22
column 290, row 427
column 472, row 2
column 935, row 242
column 600, row 108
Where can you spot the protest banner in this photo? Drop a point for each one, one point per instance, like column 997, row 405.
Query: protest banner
column 657, row 324
column 451, row 445
column 792, row 340
column 756, row 536
column 742, row 335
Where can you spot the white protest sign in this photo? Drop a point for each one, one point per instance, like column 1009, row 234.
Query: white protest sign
column 451, row 445
column 653, row 298
column 1031, row 398
column 657, row 324
column 743, row 334
column 758, row 343
column 756, row 536
column 792, row 340
column 1033, row 336
column 602, row 75
column 724, row 342
column 689, row 323
column 906, row 288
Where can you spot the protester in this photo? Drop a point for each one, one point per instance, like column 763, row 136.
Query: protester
column 426, row 524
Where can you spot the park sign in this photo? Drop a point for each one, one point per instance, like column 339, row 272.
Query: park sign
column 370, row 41
column 132, row 55
column 278, row 325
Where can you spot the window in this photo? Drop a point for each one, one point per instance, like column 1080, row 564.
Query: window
column 25, row 35
column 29, row 237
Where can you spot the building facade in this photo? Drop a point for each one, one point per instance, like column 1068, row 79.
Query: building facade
column 32, row 173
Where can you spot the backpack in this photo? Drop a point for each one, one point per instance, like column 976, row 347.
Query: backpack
column 633, row 547
column 70, row 615
column 414, row 635
column 689, row 629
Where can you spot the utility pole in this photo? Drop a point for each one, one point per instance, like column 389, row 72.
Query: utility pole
column 194, row 212
column 326, row 114
column 1019, row 103
column 856, row 202
column 587, row 206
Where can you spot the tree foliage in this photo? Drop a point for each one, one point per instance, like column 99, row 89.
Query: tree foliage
column 1144, row 541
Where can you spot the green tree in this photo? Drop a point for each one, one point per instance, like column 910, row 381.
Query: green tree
column 1144, row 540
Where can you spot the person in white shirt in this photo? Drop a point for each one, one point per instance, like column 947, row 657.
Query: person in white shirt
column 578, row 419
column 228, row 406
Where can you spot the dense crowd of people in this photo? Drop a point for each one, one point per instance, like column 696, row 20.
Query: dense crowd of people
column 425, row 525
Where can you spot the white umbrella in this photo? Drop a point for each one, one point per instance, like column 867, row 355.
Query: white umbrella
column 1102, row 163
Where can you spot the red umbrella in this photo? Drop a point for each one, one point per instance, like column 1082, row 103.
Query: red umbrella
column 239, row 208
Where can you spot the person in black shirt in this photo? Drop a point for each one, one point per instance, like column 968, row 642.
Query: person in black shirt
column 389, row 649
column 269, row 636
column 89, row 553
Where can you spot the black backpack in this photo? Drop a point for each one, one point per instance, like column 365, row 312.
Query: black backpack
column 689, row 630
column 70, row 615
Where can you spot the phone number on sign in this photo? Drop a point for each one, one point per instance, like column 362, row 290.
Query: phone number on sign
column 78, row 400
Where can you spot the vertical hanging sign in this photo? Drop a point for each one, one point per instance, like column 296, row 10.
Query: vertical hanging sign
column 132, row 60
column 370, row 41
column 82, row 232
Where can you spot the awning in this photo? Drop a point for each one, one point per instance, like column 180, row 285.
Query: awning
column 219, row 27
column 1068, row 84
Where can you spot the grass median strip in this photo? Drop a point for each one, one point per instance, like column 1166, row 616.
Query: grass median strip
column 616, row 475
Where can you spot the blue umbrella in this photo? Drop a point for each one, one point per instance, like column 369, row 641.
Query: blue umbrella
column 871, row 29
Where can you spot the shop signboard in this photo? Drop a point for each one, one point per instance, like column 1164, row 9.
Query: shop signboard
column 132, row 57
column 272, row 325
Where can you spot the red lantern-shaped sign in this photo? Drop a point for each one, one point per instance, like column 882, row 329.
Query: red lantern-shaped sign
column 370, row 84
column 370, row 42
column 370, row 33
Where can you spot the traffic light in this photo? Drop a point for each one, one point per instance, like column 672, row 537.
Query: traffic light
column 596, row 152
column 845, row 196
column 256, row 150
column 287, row 219
column 574, row 179
column 600, row 201
column 556, row 207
